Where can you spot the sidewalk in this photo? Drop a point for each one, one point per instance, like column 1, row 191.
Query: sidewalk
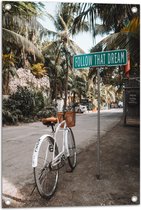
column 119, row 180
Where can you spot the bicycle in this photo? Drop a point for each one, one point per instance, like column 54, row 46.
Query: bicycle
column 49, row 157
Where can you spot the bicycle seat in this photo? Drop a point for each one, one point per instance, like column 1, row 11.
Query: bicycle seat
column 49, row 120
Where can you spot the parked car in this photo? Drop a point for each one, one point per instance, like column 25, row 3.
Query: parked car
column 120, row 104
column 81, row 108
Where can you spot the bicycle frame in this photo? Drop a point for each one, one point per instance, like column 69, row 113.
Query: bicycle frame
column 62, row 154
column 65, row 150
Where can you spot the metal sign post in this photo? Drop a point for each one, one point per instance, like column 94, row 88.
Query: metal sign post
column 98, row 126
column 99, row 59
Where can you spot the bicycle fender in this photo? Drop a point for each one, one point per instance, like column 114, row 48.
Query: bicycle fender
column 36, row 150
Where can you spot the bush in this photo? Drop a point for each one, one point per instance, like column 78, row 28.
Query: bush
column 22, row 106
column 25, row 100
column 39, row 102
column 10, row 113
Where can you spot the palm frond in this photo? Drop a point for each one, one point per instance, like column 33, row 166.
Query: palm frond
column 19, row 41
column 63, row 23
column 121, row 40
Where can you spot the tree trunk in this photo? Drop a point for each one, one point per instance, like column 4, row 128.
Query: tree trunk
column 55, row 84
column 5, row 86
column 66, row 85
column 74, row 94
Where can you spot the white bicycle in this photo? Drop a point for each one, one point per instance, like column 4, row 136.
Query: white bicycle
column 50, row 154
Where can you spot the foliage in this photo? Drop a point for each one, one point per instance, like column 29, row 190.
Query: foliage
column 22, row 33
column 78, row 85
column 112, row 80
column 14, row 41
column 38, row 70
column 114, row 17
column 22, row 105
column 107, row 93
column 8, row 68
column 117, row 20
column 123, row 26
column 133, row 26
column 60, row 64
column 21, row 17
column 8, row 60
column 10, row 113
column 68, row 13
column 28, row 101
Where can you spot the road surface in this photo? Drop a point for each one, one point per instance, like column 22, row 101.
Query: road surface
column 18, row 143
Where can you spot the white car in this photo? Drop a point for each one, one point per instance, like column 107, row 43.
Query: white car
column 81, row 108
column 120, row 104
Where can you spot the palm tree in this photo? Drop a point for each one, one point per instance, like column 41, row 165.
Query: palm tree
column 113, row 16
column 107, row 94
column 12, row 41
column 77, row 84
column 64, row 47
column 22, row 33
column 118, row 20
column 123, row 26
column 8, row 69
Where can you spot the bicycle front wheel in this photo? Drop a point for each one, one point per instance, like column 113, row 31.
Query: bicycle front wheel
column 46, row 178
column 72, row 149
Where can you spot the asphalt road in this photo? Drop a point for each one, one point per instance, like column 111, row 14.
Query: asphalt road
column 18, row 143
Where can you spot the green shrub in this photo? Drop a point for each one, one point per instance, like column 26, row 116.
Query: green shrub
column 39, row 102
column 22, row 106
column 11, row 117
column 25, row 100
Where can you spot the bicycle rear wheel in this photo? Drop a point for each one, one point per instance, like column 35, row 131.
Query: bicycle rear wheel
column 45, row 177
column 72, row 149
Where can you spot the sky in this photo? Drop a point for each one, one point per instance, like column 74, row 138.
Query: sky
column 84, row 40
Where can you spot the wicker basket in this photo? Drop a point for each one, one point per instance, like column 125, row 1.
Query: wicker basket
column 69, row 117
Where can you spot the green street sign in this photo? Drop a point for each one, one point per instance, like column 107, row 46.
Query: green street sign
column 105, row 58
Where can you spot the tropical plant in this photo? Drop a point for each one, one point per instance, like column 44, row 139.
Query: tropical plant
column 22, row 106
column 77, row 84
column 118, row 20
column 26, row 101
column 8, row 69
column 123, row 26
column 107, row 94
column 114, row 17
column 20, row 45
column 112, row 80
column 64, row 47
column 21, row 18
column 38, row 70
column 18, row 23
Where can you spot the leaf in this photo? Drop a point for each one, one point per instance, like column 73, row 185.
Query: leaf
column 12, row 38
